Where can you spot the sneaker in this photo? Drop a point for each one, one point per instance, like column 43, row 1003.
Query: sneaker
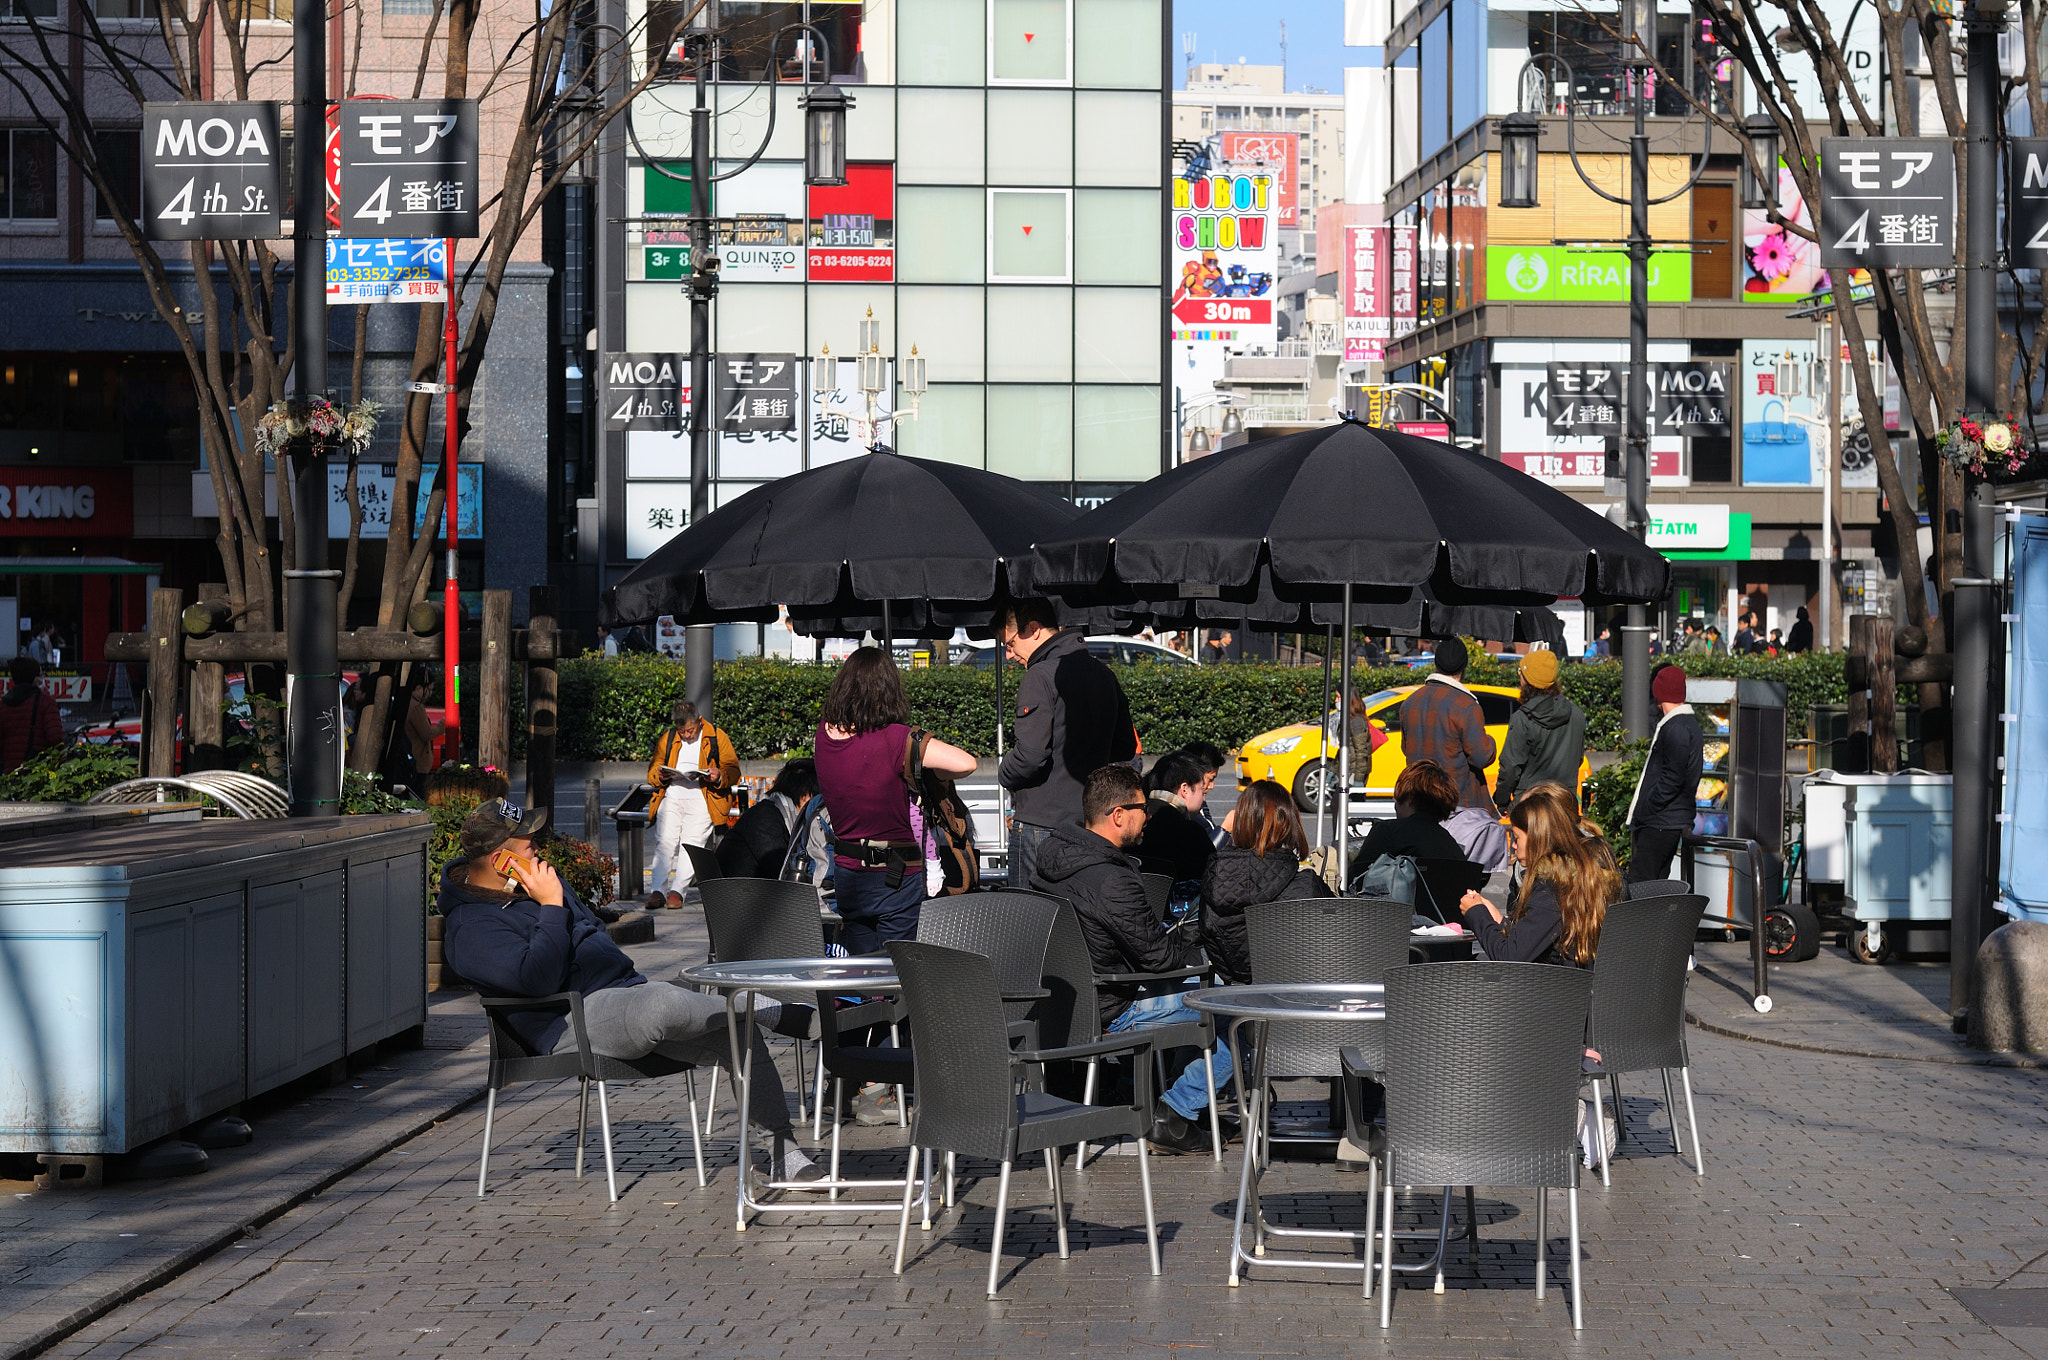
column 1174, row 1134
column 876, row 1104
column 795, row 1166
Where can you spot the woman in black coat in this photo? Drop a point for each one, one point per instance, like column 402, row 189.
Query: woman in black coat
column 1260, row 863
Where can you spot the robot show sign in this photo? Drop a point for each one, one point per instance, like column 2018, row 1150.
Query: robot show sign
column 1226, row 247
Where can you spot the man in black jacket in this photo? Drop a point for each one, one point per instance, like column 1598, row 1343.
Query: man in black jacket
column 1662, row 810
column 1090, row 866
column 1072, row 719
column 512, row 927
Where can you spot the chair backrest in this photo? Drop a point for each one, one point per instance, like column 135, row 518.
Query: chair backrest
column 1069, row 1015
column 1009, row 929
column 512, row 1059
column 1483, row 1072
column 959, row 1045
column 1639, row 979
column 762, row 918
column 1323, row 939
column 1158, row 893
column 1446, row 881
column 703, row 863
column 1658, row 887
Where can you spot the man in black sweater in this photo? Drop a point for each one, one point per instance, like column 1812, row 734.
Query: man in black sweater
column 1090, row 866
column 512, row 927
column 1662, row 810
column 1072, row 718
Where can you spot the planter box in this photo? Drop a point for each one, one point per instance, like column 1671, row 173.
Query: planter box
column 160, row 974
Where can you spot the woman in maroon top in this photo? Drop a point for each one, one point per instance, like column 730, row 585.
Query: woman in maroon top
column 878, row 865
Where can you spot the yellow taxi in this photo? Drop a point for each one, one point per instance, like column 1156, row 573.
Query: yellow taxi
column 1289, row 757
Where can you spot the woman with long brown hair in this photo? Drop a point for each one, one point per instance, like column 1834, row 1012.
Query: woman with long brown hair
column 878, row 874
column 1567, row 884
column 1261, row 862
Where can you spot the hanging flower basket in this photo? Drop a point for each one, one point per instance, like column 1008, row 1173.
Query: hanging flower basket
column 1992, row 447
column 317, row 428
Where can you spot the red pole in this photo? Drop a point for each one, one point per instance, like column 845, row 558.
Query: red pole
column 451, row 604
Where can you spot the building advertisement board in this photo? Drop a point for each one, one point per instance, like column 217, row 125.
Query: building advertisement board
column 1226, row 262
column 1401, row 276
column 1274, row 153
column 56, row 502
column 1779, row 450
column 852, row 231
column 1560, row 274
column 1368, row 319
column 377, row 482
column 1570, row 460
column 387, row 271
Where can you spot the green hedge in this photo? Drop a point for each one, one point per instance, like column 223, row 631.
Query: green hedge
column 613, row 708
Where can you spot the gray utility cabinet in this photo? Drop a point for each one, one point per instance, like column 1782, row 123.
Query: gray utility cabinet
column 151, row 976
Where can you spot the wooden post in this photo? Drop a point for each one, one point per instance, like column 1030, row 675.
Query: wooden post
column 494, row 692
column 1857, row 672
column 1884, row 697
column 203, row 724
column 166, row 658
column 540, row 698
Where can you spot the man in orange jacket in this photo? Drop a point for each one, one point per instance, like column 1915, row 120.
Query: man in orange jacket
column 694, row 772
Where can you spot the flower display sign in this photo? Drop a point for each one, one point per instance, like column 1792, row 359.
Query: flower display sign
column 316, row 427
column 1993, row 447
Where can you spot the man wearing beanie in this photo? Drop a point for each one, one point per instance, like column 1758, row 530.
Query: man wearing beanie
column 1546, row 736
column 1441, row 721
column 1662, row 809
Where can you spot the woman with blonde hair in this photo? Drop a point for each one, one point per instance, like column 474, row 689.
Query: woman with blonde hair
column 1566, row 887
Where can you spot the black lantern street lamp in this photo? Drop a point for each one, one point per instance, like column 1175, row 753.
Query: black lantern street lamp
column 1638, row 32
column 1760, row 165
column 825, row 107
column 1519, row 134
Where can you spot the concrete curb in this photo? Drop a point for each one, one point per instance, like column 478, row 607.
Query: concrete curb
column 2025, row 1061
column 457, row 1098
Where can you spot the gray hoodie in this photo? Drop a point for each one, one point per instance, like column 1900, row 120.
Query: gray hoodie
column 1546, row 741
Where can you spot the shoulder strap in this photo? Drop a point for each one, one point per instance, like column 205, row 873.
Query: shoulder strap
column 913, row 759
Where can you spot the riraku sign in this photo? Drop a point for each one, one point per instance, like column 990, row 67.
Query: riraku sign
column 1555, row 274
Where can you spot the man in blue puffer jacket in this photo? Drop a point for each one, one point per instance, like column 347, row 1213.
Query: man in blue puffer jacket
column 522, row 932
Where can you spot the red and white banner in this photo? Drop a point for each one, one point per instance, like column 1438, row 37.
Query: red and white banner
column 1276, row 152
column 1368, row 319
column 54, row 502
column 1401, row 276
column 852, row 232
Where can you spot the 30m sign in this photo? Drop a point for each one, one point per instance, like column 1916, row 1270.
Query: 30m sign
column 210, row 171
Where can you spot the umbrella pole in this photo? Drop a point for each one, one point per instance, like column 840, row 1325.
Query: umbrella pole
column 888, row 630
column 1344, row 734
column 1002, row 799
column 1322, row 746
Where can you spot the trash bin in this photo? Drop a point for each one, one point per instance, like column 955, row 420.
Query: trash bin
column 1886, row 839
column 630, row 816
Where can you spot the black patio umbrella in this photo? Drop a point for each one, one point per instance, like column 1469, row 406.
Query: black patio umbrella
column 875, row 543
column 1351, row 516
column 878, row 544
column 1304, row 515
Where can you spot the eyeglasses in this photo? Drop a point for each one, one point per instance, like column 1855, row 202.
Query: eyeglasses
column 1133, row 807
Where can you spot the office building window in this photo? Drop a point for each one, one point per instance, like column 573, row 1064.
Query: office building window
column 119, row 152
column 31, row 175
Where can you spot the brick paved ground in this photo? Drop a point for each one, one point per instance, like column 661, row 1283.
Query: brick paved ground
column 1844, row 1198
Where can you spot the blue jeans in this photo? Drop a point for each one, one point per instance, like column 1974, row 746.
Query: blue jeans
column 1025, row 839
column 875, row 913
column 1189, row 1094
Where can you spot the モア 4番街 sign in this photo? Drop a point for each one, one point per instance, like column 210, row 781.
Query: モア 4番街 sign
column 1887, row 202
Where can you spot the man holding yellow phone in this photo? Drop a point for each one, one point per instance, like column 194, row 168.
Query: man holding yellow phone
column 514, row 928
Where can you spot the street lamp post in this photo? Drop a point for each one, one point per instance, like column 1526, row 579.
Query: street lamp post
column 1520, row 133
column 824, row 109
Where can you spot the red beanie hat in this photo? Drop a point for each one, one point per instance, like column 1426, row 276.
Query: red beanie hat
column 1667, row 686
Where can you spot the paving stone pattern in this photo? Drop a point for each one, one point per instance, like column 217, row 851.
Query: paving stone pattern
column 1844, row 1197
